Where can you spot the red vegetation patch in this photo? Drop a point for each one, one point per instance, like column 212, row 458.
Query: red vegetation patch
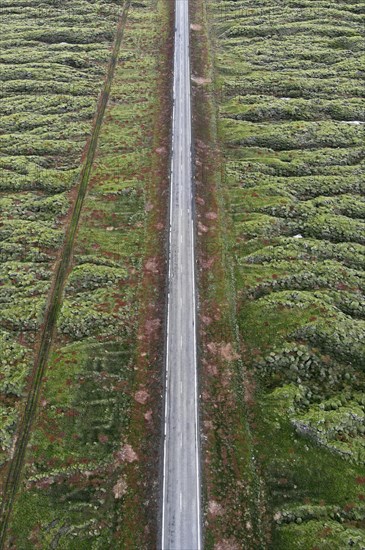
column 342, row 286
column 202, row 228
column 120, row 488
column 212, row 347
column 228, row 353
column 43, row 483
column 325, row 532
column 126, row 454
column 212, row 369
column 152, row 325
column 215, row 509
column 227, row 544
column 141, row 396
column 207, row 264
column 161, row 150
column 206, row 320
column 151, row 265
column 250, row 387
column 71, row 413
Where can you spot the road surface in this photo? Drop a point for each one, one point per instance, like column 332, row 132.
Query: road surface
column 181, row 523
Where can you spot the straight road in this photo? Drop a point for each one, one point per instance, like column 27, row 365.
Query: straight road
column 181, row 523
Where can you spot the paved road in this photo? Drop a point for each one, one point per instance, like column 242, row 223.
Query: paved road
column 181, row 523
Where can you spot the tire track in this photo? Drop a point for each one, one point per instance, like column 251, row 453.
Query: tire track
column 55, row 297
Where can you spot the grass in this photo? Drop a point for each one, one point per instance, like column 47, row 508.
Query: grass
column 41, row 149
column 290, row 119
column 232, row 488
column 55, row 300
column 75, row 490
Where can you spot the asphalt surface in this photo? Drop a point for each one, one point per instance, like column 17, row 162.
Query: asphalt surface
column 181, row 518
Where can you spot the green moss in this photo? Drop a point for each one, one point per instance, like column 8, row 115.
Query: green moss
column 14, row 366
column 52, row 67
column 295, row 135
column 324, row 535
column 8, row 422
column 265, row 108
column 289, row 459
column 291, row 103
column 75, row 459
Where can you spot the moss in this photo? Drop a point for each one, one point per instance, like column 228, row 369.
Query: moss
column 336, row 426
column 14, row 365
column 265, row 108
column 8, row 421
column 296, row 135
column 351, row 255
column 74, row 458
column 52, row 66
column 288, row 86
column 323, row 534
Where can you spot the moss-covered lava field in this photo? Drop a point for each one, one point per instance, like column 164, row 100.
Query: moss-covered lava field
column 80, row 154
column 289, row 94
column 279, row 130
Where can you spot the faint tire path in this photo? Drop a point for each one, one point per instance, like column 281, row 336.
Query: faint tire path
column 55, row 297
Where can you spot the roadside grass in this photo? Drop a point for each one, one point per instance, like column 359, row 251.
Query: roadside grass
column 76, row 490
column 232, row 488
column 290, row 101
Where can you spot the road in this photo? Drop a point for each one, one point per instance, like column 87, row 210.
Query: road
column 181, row 517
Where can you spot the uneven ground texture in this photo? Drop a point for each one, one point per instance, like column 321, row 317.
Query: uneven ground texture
column 52, row 65
column 75, row 490
column 289, row 85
